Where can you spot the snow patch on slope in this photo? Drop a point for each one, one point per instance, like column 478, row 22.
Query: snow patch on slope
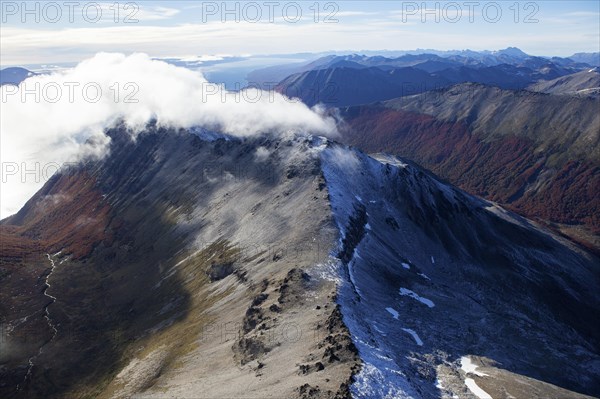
column 414, row 335
column 468, row 366
column 393, row 312
column 477, row 391
column 412, row 294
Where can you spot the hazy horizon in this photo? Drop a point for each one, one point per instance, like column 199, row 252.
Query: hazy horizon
column 44, row 34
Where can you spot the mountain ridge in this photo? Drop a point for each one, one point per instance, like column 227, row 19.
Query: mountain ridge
column 483, row 140
column 267, row 232
column 428, row 60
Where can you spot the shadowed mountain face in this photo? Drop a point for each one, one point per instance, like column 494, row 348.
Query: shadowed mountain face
column 343, row 85
column 348, row 83
column 435, row 278
column 193, row 265
column 509, row 68
column 536, row 153
column 14, row 76
column 340, row 81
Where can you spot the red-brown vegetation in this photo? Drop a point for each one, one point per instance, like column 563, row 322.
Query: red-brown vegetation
column 506, row 169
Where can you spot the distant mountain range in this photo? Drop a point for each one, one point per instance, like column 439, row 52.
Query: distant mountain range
column 588, row 58
column 432, row 61
column 345, row 83
column 513, row 52
column 358, row 79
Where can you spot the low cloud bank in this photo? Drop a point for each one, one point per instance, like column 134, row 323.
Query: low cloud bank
column 48, row 120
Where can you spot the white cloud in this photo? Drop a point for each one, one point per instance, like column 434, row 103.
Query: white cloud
column 345, row 160
column 583, row 14
column 52, row 130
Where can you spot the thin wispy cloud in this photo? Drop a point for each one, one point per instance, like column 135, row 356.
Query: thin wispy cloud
column 583, row 14
column 156, row 13
column 133, row 13
column 355, row 13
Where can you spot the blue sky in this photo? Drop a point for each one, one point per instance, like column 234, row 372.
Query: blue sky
column 193, row 28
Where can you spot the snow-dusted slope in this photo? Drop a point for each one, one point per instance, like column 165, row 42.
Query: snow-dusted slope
column 479, row 282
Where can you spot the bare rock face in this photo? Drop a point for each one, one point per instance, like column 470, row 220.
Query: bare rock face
column 218, row 271
column 293, row 288
column 179, row 265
